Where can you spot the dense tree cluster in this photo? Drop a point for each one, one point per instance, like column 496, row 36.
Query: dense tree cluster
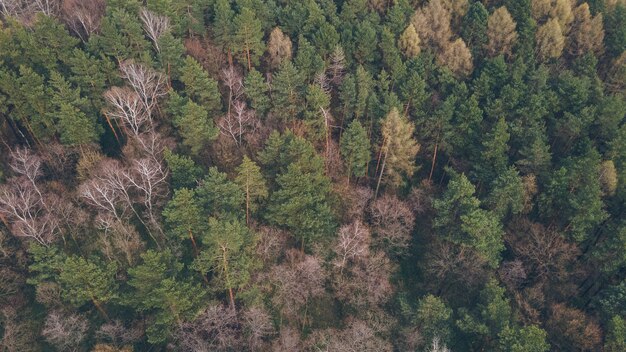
column 315, row 175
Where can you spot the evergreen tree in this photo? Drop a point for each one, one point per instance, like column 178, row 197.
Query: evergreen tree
column 252, row 183
column 158, row 288
column 474, row 27
column 201, row 88
column 529, row 338
column 184, row 173
column 248, row 37
column 85, row 281
column 256, row 90
column 184, row 216
column 616, row 337
column 288, row 92
column 461, row 220
column 225, row 256
column 219, row 196
column 308, row 60
column 433, row 318
column 195, row 127
column 355, row 149
column 301, row 204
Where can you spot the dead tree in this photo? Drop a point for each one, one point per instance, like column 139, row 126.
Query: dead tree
column 127, row 106
column 83, row 17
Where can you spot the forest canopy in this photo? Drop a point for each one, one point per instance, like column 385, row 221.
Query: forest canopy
column 314, row 175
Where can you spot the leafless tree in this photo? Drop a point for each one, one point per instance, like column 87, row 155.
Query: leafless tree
column 512, row 273
column 352, row 244
column 149, row 84
column 272, row 243
column 216, row 329
column 148, row 177
column 357, row 336
column 233, row 80
column 238, row 122
column 365, row 283
column 450, row 264
column 437, row 346
column 297, row 281
column 109, row 190
column 257, row 327
column 118, row 334
column 128, row 107
column 155, row 26
column 83, row 17
column 48, row 7
column 49, row 294
column 17, row 336
column 393, row 222
column 64, row 331
column 120, row 237
column 288, row 340
column 22, row 205
column 27, row 164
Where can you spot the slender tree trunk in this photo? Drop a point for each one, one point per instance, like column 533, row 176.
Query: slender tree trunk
column 380, row 177
column 247, row 202
column 193, row 243
column 248, row 57
column 226, row 273
column 100, row 309
column 432, row 166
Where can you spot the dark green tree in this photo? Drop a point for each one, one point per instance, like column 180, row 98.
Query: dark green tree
column 288, row 92
column 184, row 216
column 355, row 149
column 201, row 88
column 248, row 37
column 257, row 92
column 195, row 127
column 252, row 183
column 184, row 173
column 219, row 196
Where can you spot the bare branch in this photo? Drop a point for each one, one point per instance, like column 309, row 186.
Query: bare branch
column 154, row 25
column 146, row 82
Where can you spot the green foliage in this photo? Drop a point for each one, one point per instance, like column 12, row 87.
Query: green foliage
column 219, row 196
column 301, row 203
column 201, row 88
column 461, row 220
column 256, row 90
column 184, row 172
column 616, row 337
column 159, row 288
column 530, row 338
column 288, row 92
column 355, row 149
column 183, row 215
column 507, row 195
column 84, row 280
column 195, row 127
column 474, row 27
column 251, row 183
column 248, row 36
column 433, row 317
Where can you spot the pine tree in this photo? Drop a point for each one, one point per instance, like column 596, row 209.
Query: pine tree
column 278, row 48
column 409, row 42
column 355, row 149
column 550, row 40
column 288, row 92
column 158, row 288
column 461, row 220
column 257, row 92
column 184, row 173
column 317, row 114
column 85, row 281
column 195, row 127
column 225, row 255
column 219, row 196
column 201, row 88
column 252, row 183
column 73, row 124
column 501, row 33
column 223, row 25
column 398, row 149
column 474, row 27
column 527, row 339
column 248, row 37
column 308, row 60
column 301, row 204
column 494, row 157
column 184, row 216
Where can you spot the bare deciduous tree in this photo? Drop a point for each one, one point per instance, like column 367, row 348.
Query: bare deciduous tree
column 148, row 177
column 238, row 122
column 27, row 164
column 83, row 17
column 118, row 334
column 352, row 244
column 393, row 222
column 127, row 106
column 257, row 326
column 216, row 329
column 64, row 331
column 149, row 84
column 22, row 205
column 155, row 26
column 298, row 280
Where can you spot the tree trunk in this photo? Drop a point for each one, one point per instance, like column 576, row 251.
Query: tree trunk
column 193, row 243
column 432, row 167
column 380, row 177
column 226, row 273
column 100, row 309
column 247, row 202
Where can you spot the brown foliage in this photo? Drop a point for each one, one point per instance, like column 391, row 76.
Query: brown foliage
column 501, row 32
column 457, row 57
column 278, row 48
column 570, row 329
column 432, row 23
column 550, row 40
column 357, row 336
column 587, row 32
